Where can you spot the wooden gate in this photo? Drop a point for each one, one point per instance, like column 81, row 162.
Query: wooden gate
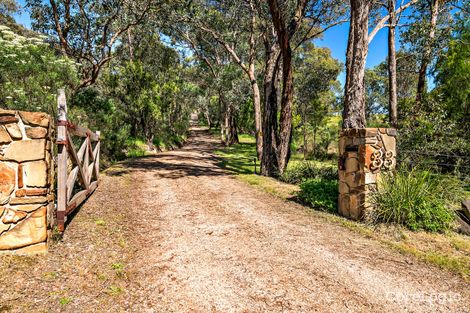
column 77, row 171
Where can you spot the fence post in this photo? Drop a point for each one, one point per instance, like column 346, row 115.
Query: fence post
column 61, row 159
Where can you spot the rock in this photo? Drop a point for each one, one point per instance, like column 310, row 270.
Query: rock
column 36, row 132
column 4, row 136
column 26, row 150
column 27, row 208
column 4, row 112
column 343, row 188
column 13, row 216
column 31, row 192
column 14, row 131
column 35, row 118
column 35, row 174
column 352, row 165
column 8, row 119
column 466, row 208
column 463, row 222
column 39, row 248
column 33, row 200
column 29, row 231
column 7, row 182
column 389, row 142
column 4, row 227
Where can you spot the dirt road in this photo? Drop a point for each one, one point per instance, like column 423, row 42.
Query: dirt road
column 196, row 239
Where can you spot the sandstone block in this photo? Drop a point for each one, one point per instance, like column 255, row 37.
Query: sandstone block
column 26, row 150
column 27, row 208
column 343, row 188
column 7, row 182
column 31, row 192
column 36, row 132
column 39, row 248
column 35, row 174
column 354, row 207
column 35, row 118
column 389, row 142
column 33, row 200
column 14, row 131
column 352, row 165
column 4, row 112
column 7, row 119
column 13, row 216
column 4, row 136
column 343, row 205
column 30, row 231
column 370, row 178
column 4, row 227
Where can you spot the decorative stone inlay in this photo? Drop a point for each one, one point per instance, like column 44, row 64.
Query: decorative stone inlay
column 35, row 118
column 35, row 174
column 364, row 155
column 14, row 131
column 36, row 132
column 26, row 150
column 29, row 231
column 4, row 136
column 7, row 182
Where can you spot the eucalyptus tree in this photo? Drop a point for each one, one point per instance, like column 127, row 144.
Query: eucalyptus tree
column 356, row 54
column 291, row 24
column 88, row 31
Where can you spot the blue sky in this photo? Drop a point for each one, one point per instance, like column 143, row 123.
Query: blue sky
column 335, row 39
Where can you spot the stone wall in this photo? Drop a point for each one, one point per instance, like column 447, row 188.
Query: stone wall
column 364, row 155
column 26, row 181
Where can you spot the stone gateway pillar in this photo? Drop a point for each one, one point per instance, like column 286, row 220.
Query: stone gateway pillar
column 26, row 181
column 363, row 155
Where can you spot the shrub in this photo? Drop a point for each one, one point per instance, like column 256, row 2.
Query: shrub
column 320, row 194
column 416, row 199
column 308, row 170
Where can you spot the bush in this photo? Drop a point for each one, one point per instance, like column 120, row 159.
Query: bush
column 308, row 170
column 320, row 194
column 416, row 199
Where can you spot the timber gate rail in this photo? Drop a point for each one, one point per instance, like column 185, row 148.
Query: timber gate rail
column 77, row 171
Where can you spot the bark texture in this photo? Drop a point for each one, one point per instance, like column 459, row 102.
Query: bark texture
column 356, row 55
column 392, row 65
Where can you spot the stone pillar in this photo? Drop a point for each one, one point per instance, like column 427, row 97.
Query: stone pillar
column 26, row 181
column 363, row 155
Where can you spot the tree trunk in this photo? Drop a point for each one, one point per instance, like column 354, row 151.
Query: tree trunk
column 392, row 66
column 257, row 109
column 284, row 35
column 304, row 128
column 354, row 98
column 314, row 140
column 426, row 59
column 269, row 161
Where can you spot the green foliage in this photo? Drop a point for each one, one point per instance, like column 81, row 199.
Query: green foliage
column 307, row 170
column 320, row 194
column 416, row 199
column 31, row 73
